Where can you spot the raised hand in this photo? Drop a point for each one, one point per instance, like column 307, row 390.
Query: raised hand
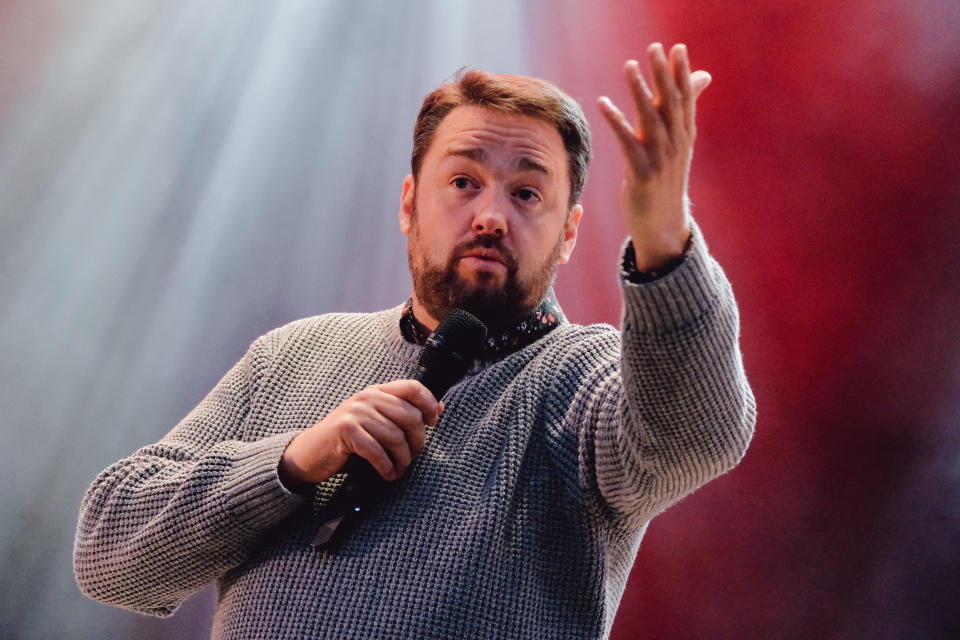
column 658, row 150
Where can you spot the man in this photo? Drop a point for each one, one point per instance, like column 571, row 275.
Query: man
column 513, row 508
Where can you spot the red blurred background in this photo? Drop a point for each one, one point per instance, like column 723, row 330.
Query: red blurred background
column 827, row 181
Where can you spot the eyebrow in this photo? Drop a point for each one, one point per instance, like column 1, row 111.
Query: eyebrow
column 525, row 163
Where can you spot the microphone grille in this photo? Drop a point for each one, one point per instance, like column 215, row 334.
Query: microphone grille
column 459, row 336
column 449, row 351
column 464, row 332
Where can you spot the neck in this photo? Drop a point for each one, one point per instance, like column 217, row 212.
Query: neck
column 500, row 324
column 422, row 315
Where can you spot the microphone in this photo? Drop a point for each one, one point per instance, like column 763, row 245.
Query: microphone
column 446, row 356
column 449, row 350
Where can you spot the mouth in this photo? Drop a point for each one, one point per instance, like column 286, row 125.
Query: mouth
column 485, row 256
column 483, row 260
column 483, row 263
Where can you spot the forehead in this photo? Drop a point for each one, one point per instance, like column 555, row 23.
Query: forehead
column 501, row 137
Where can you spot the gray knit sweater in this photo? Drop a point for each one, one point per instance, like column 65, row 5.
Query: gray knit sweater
column 520, row 519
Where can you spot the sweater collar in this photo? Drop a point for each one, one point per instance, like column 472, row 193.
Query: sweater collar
column 546, row 317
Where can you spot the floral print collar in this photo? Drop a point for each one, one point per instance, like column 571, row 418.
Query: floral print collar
column 544, row 318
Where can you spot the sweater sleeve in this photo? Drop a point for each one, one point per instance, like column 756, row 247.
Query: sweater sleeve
column 162, row 523
column 676, row 410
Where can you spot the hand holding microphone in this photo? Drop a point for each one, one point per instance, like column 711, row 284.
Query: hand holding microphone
column 377, row 432
column 385, row 424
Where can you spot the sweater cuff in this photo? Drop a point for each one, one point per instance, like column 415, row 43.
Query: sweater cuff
column 630, row 272
column 676, row 299
column 257, row 498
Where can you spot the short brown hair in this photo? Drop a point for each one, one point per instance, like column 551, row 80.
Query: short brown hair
column 510, row 94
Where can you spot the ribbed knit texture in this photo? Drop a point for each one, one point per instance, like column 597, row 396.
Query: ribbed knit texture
column 520, row 518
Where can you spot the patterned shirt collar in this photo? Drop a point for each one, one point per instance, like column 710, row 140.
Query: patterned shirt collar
column 544, row 318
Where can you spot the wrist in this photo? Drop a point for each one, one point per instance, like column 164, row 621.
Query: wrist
column 290, row 474
column 631, row 272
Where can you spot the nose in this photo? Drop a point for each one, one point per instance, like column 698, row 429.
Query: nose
column 490, row 218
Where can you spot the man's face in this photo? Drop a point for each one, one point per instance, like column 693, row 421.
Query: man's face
column 487, row 220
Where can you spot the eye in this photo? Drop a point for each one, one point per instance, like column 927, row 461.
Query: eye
column 527, row 195
column 460, row 182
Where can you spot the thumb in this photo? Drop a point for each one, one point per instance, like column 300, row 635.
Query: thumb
column 699, row 80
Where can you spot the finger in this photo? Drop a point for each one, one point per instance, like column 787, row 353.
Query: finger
column 651, row 124
column 401, row 412
column 632, row 148
column 668, row 95
column 365, row 445
column 680, row 67
column 393, row 440
column 700, row 80
column 416, row 394
column 405, row 416
column 387, row 418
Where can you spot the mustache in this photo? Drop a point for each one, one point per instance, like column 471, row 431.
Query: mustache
column 486, row 242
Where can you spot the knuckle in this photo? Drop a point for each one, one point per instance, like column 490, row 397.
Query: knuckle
column 364, row 395
column 425, row 393
column 352, row 432
column 413, row 416
column 427, row 407
column 395, row 438
column 416, row 441
column 351, row 419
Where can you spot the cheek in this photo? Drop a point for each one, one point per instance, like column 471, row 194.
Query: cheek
column 430, row 247
column 542, row 238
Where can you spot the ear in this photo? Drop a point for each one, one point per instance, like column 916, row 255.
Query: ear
column 570, row 232
column 406, row 204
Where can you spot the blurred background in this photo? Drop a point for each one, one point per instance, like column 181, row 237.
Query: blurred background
column 177, row 178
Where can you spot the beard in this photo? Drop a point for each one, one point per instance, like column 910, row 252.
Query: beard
column 441, row 289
